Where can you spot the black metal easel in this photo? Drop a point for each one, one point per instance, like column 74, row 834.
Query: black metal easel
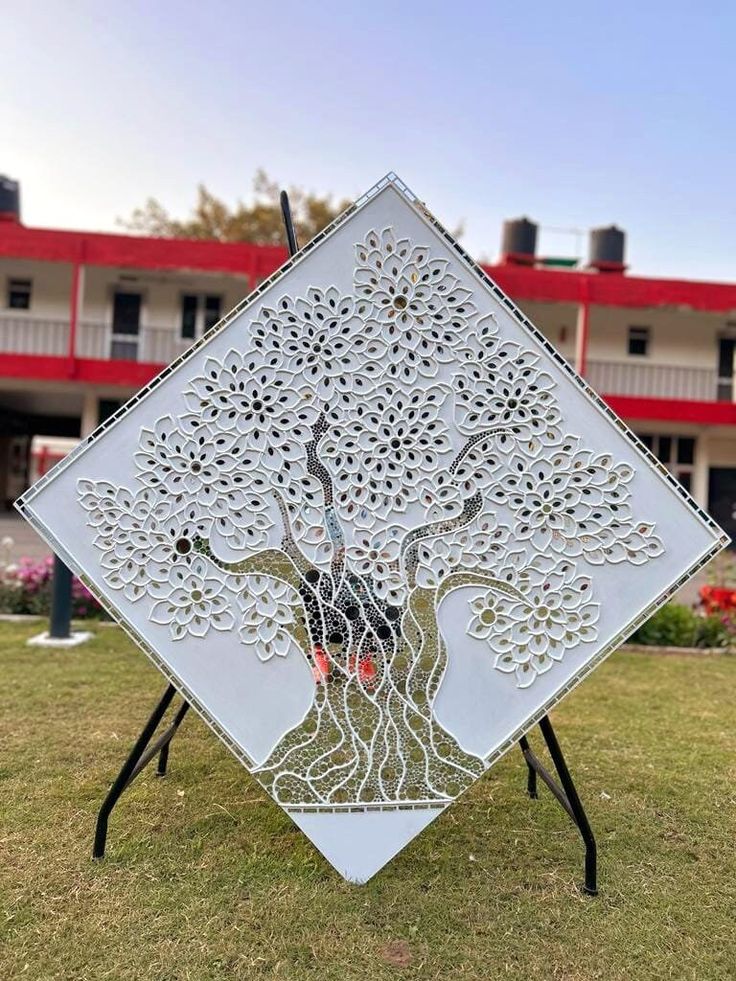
column 142, row 754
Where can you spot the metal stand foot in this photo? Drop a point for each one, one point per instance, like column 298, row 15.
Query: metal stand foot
column 566, row 795
column 140, row 756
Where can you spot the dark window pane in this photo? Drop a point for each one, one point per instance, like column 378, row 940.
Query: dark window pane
column 685, row 450
column 664, row 449
column 19, row 294
column 189, row 317
column 685, row 478
column 646, row 439
column 638, row 341
column 126, row 313
column 725, row 391
column 212, row 308
column 725, row 357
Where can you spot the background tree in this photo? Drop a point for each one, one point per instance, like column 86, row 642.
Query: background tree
column 258, row 222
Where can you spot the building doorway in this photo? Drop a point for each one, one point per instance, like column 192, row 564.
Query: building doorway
column 722, row 498
column 726, row 347
column 126, row 325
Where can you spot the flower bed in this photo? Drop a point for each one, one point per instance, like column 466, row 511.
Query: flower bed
column 718, row 599
column 25, row 587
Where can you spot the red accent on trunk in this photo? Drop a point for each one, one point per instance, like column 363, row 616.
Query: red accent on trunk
column 321, row 665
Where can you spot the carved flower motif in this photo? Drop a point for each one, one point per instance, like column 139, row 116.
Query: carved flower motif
column 490, row 614
column 551, row 613
column 375, row 555
column 506, row 390
column 322, row 339
column 577, row 504
column 264, row 405
column 183, row 465
column 191, row 601
column 436, row 559
column 267, row 606
column 420, row 304
column 386, row 447
column 481, row 546
column 441, row 497
column 140, row 535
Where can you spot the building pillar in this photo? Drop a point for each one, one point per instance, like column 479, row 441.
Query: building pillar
column 581, row 337
column 90, row 413
column 701, row 470
column 75, row 308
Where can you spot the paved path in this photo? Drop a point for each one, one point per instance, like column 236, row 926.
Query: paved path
column 27, row 542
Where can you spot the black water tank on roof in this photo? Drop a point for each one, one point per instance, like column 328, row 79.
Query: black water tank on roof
column 9, row 198
column 607, row 248
column 519, row 238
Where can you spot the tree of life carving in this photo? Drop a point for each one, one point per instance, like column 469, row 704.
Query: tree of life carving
column 332, row 480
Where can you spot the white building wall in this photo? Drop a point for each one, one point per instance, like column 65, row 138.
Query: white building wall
column 51, row 286
column 161, row 294
column 557, row 321
column 686, row 338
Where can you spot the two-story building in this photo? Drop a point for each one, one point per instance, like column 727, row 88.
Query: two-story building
column 86, row 319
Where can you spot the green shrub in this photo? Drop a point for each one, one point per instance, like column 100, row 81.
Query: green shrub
column 675, row 625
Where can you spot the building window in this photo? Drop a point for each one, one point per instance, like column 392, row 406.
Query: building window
column 725, row 368
column 19, row 294
column 639, row 341
column 188, row 317
column 212, row 311
column 126, row 325
column 198, row 314
column 677, row 453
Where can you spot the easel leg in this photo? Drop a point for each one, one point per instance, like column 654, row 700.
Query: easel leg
column 579, row 815
column 163, row 756
column 566, row 795
column 531, row 773
column 139, row 757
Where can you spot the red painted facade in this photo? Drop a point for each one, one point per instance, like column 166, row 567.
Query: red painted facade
column 259, row 261
column 521, row 282
column 135, row 252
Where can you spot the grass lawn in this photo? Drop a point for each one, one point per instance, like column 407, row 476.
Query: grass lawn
column 206, row 878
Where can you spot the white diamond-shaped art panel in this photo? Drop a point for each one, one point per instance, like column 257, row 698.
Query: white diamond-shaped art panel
column 373, row 527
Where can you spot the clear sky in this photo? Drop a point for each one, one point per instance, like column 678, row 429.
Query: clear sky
column 576, row 114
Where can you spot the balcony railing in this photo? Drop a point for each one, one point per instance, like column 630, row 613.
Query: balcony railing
column 657, row 381
column 34, row 335
column 161, row 345
column 22, row 335
column 154, row 345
